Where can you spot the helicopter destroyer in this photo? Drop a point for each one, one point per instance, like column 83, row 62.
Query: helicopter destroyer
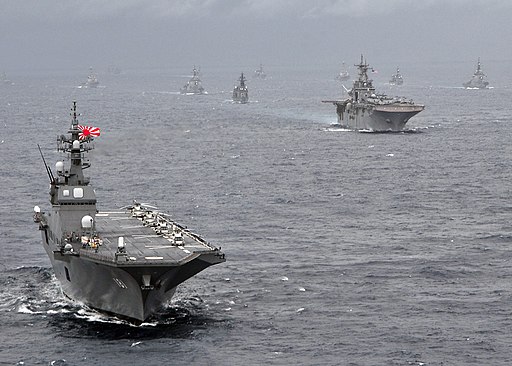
column 366, row 110
column 240, row 92
column 194, row 85
column 478, row 79
column 126, row 262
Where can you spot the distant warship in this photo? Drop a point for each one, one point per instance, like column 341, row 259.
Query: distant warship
column 92, row 80
column 126, row 262
column 344, row 74
column 193, row 86
column 240, row 92
column 259, row 73
column 366, row 110
column 4, row 79
column 113, row 69
column 478, row 80
column 396, row 79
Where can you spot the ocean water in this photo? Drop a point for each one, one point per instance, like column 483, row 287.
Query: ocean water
column 343, row 248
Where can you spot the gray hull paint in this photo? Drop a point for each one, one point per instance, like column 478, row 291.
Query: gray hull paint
column 118, row 289
column 365, row 109
column 478, row 81
column 127, row 262
column 380, row 118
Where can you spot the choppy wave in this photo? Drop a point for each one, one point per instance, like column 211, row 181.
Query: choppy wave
column 390, row 260
column 35, row 291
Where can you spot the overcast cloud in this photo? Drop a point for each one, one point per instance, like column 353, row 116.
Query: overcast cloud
column 39, row 34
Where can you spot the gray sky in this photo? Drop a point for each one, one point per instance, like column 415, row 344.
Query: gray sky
column 46, row 34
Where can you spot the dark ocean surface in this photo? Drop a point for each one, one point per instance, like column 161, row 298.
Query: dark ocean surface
column 343, row 248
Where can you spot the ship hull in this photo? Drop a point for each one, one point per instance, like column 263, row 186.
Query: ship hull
column 470, row 85
column 192, row 92
column 242, row 98
column 380, row 118
column 120, row 289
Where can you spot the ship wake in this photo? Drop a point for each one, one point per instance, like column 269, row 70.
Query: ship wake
column 35, row 291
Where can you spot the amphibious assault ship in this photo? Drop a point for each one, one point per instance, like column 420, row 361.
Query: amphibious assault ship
column 126, row 262
column 366, row 110
column 194, row 85
column 396, row 79
column 240, row 92
column 478, row 80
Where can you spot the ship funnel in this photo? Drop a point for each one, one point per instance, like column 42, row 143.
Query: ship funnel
column 59, row 166
column 76, row 144
column 87, row 222
column 37, row 209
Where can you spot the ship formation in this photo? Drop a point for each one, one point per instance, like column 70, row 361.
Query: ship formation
column 396, row 79
column 126, row 262
column 367, row 110
column 241, row 92
column 478, row 79
column 194, row 85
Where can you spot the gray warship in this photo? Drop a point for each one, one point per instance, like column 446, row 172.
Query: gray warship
column 126, row 262
column 194, row 85
column 5, row 80
column 478, row 79
column 259, row 73
column 396, row 79
column 344, row 74
column 366, row 110
column 241, row 92
column 92, row 80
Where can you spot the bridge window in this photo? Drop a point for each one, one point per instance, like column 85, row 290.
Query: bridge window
column 78, row 192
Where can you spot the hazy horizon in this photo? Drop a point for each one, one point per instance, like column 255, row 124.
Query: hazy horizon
column 57, row 34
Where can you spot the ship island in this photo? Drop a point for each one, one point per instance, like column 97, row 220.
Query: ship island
column 366, row 110
column 125, row 262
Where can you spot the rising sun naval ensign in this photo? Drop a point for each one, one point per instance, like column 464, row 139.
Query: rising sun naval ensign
column 126, row 262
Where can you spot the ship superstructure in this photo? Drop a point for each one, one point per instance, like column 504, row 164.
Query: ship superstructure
column 259, row 73
column 241, row 92
column 397, row 78
column 194, row 85
column 92, row 80
column 127, row 262
column 344, row 75
column 367, row 110
column 478, row 80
